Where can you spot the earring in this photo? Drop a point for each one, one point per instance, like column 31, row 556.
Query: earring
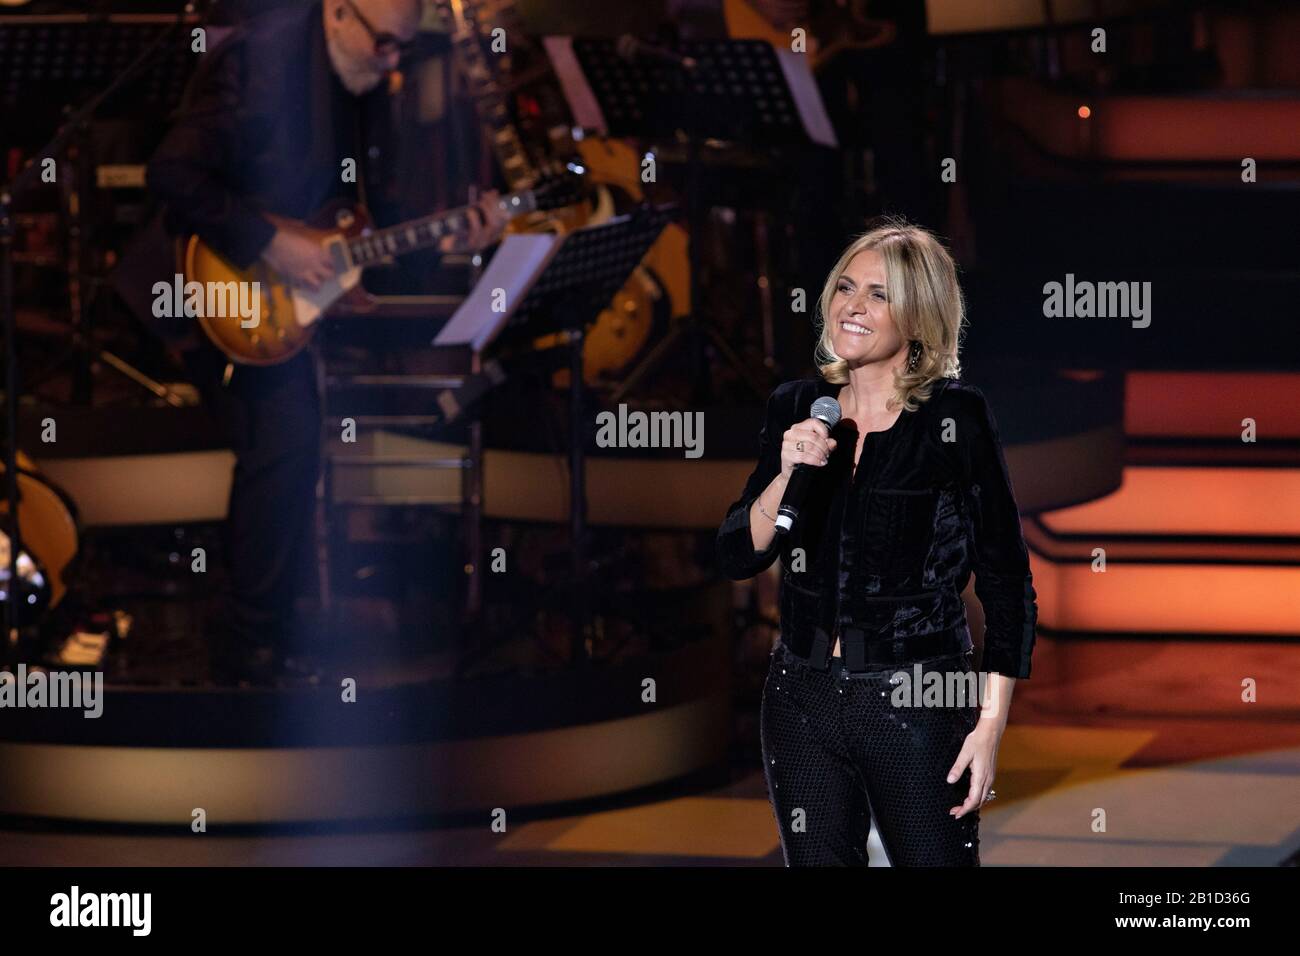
column 916, row 357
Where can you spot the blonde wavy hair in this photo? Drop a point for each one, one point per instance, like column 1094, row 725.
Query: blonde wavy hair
column 925, row 302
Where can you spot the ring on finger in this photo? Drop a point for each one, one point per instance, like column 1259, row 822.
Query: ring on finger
column 798, row 446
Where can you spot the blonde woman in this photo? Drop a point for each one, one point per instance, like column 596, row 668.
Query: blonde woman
column 909, row 494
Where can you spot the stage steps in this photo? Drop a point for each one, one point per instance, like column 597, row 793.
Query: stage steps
column 1203, row 535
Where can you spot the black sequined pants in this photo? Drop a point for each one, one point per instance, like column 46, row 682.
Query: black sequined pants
column 837, row 751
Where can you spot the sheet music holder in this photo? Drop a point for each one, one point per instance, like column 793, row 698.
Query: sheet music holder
column 541, row 284
column 68, row 57
column 744, row 91
column 540, row 277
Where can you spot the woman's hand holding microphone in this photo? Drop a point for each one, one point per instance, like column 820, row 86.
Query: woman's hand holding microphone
column 804, row 443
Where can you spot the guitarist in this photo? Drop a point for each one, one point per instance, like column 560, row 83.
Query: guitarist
column 269, row 118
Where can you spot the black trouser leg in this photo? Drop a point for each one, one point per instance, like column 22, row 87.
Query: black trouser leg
column 820, row 807
column 271, row 417
column 904, row 755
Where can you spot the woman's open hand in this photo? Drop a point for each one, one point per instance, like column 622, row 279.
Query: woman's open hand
column 805, row 443
column 980, row 753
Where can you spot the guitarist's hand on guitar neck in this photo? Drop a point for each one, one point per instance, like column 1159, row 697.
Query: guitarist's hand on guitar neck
column 296, row 252
column 485, row 228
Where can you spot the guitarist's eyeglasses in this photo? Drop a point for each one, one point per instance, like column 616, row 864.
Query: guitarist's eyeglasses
column 385, row 43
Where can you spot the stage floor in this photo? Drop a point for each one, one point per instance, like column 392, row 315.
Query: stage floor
column 1178, row 791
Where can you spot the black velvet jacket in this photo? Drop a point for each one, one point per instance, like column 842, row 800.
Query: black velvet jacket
column 882, row 564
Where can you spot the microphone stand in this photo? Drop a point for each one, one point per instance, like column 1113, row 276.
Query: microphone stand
column 8, row 194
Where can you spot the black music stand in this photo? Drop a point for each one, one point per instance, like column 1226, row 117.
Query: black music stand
column 745, row 91
column 591, row 265
column 67, row 59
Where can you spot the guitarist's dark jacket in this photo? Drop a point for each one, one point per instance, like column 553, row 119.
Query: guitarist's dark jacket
column 266, row 125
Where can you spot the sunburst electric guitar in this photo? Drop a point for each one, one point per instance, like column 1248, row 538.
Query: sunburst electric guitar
column 283, row 314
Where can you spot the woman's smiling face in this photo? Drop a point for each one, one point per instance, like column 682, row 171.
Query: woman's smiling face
column 862, row 326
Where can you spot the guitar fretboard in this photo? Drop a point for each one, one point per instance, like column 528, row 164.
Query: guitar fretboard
column 407, row 237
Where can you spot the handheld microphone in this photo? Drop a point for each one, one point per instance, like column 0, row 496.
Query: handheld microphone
column 827, row 411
